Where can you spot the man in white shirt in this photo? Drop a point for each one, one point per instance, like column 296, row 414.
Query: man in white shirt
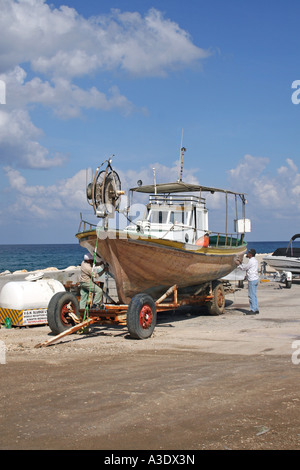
column 251, row 269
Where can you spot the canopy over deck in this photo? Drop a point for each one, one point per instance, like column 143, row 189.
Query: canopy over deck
column 180, row 186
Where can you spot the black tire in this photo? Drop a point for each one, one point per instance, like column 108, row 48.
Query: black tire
column 57, row 313
column 288, row 284
column 217, row 305
column 141, row 316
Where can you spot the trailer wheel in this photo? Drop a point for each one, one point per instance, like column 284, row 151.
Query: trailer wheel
column 63, row 310
column 217, row 305
column 141, row 316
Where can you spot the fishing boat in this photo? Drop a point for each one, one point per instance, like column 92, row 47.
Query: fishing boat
column 285, row 259
column 167, row 258
column 170, row 245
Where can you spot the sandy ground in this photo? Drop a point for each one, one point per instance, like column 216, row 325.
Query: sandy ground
column 200, row 382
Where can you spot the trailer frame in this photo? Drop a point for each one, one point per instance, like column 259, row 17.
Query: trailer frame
column 69, row 319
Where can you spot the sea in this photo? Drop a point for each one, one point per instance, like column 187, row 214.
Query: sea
column 61, row 256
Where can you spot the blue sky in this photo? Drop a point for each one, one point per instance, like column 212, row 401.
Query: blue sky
column 87, row 79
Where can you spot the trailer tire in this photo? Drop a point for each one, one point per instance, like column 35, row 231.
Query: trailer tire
column 141, row 316
column 57, row 312
column 217, row 305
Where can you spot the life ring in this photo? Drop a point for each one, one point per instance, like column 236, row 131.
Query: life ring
column 203, row 241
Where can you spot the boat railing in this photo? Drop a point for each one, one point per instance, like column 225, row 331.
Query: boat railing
column 176, row 199
column 85, row 224
column 225, row 239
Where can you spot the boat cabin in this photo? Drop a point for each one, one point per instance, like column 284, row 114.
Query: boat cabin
column 184, row 218
column 174, row 217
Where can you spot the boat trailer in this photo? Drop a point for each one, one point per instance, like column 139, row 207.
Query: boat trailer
column 65, row 317
column 284, row 277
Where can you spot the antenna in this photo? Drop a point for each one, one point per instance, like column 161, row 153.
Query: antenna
column 181, row 157
column 154, row 180
column 183, row 149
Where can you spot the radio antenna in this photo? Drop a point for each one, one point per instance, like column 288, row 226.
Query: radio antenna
column 154, row 178
column 182, row 150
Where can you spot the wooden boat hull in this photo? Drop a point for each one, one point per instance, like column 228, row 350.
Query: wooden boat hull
column 153, row 265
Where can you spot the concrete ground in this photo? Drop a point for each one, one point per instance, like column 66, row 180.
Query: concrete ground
column 200, row 382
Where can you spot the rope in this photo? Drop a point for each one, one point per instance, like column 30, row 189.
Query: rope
column 86, row 310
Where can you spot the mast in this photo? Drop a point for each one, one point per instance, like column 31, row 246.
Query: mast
column 154, row 178
column 183, row 149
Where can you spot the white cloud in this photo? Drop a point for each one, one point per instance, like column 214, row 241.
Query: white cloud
column 66, row 99
column 248, row 169
column 30, row 28
column 55, row 45
column 19, row 142
column 54, row 202
column 148, row 46
column 274, row 193
column 60, row 42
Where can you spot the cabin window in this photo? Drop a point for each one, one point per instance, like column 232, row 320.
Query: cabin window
column 177, row 217
column 158, row 217
column 201, row 220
